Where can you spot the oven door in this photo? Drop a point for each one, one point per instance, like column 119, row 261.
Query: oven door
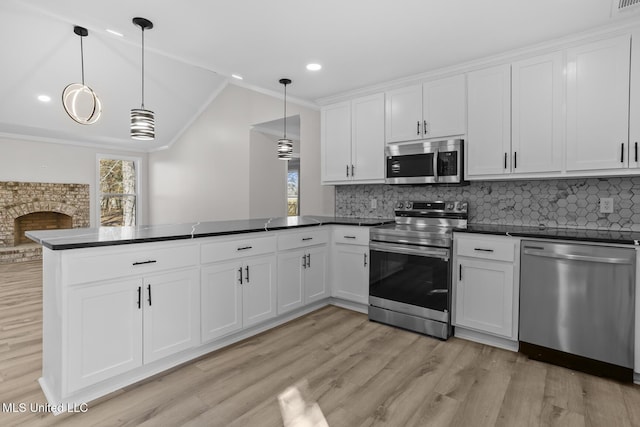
column 411, row 279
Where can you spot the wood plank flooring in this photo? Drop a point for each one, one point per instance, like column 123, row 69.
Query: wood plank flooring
column 360, row 373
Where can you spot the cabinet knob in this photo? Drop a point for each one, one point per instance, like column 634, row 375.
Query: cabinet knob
column 418, row 127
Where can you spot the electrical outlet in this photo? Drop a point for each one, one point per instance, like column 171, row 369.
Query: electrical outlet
column 374, row 203
column 606, row 204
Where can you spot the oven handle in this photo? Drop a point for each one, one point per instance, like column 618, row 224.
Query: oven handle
column 424, row 251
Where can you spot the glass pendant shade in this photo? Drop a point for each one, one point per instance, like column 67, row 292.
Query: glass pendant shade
column 285, row 145
column 143, row 124
column 80, row 102
column 143, row 121
column 285, row 149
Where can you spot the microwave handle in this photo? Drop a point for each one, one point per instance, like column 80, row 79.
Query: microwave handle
column 436, row 155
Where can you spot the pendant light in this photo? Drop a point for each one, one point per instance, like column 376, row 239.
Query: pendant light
column 285, row 145
column 80, row 101
column 143, row 122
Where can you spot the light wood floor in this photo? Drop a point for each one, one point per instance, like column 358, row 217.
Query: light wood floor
column 360, row 373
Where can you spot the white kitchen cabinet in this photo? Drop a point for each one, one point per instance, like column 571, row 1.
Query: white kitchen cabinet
column 403, row 114
column 120, row 325
column 350, row 264
column 634, row 108
column 237, row 294
column 598, row 105
column 537, row 126
column 336, row 142
column 104, row 332
column 171, row 313
column 302, row 277
column 444, row 107
column 488, row 144
column 431, row 110
column 302, row 268
column 352, row 141
column 486, row 272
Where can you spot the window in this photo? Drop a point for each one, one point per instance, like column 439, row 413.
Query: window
column 293, row 187
column 117, row 191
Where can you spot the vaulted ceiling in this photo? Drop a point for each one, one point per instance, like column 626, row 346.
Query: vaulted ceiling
column 196, row 45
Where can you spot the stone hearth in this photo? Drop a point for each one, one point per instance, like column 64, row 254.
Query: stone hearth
column 28, row 206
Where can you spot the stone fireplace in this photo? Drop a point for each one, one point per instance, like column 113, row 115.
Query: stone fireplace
column 26, row 206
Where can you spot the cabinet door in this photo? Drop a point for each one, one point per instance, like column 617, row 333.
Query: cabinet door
column 484, row 296
column 598, row 105
column 489, row 121
column 444, row 107
column 367, row 138
column 259, row 290
column 315, row 275
column 290, row 280
column 104, row 332
column 221, row 300
column 171, row 313
column 336, row 142
column 537, row 118
column 403, row 118
column 634, row 112
column 351, row 273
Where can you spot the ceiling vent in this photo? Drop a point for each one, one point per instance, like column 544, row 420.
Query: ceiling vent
column 623, row 7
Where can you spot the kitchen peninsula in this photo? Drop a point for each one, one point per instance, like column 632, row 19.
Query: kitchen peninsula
column 122, row 304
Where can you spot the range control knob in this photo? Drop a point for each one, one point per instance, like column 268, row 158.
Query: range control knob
column 399, row 205
column 449, row 207
column 408, row 205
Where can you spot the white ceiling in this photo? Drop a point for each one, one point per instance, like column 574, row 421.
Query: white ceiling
column 196, row 45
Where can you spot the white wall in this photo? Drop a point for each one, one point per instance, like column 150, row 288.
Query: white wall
column 204, row 176
column 33, row 161
column 267, row 178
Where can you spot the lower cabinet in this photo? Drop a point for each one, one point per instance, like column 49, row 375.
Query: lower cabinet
column 116, row 326
column 484, row 298
column 486, row 272
column 351, row 273
column 237, row 294
column 302, row 277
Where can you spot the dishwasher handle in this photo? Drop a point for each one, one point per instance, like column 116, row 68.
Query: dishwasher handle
column 577, row 257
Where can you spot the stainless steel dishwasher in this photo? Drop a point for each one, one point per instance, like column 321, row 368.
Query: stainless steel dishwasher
column 577, row 306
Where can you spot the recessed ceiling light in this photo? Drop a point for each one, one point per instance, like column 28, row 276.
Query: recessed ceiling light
column 44, row 98
column 314, row 67
column 236, row 76
column 115, row 33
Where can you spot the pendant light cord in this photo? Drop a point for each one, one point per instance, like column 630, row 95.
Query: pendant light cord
column 142, row 67
column 82, row 59
column 285, row 111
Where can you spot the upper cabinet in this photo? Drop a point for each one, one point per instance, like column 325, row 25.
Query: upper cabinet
column 598, row 105
column 634, row 108
column 489, row 125
column 537, row 119
column 352, row 141
column 434, row 109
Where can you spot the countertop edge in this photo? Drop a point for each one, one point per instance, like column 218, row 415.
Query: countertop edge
column 357, row 222
column 542, row 235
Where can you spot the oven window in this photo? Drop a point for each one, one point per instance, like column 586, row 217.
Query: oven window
column 410, row 279
column 410, row 165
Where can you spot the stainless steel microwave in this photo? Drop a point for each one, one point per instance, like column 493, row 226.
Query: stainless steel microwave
column 425, row 162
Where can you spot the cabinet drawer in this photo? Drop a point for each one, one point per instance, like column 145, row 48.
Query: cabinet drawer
column 220, row 250
column 93, row 264
column 351, row 235
column 302, row 239
column 496, row 248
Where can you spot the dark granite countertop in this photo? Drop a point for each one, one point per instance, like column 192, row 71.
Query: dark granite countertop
column 108, row 236
column 577, row 234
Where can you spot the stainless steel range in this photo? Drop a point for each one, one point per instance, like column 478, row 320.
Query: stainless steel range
column 410, row 269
